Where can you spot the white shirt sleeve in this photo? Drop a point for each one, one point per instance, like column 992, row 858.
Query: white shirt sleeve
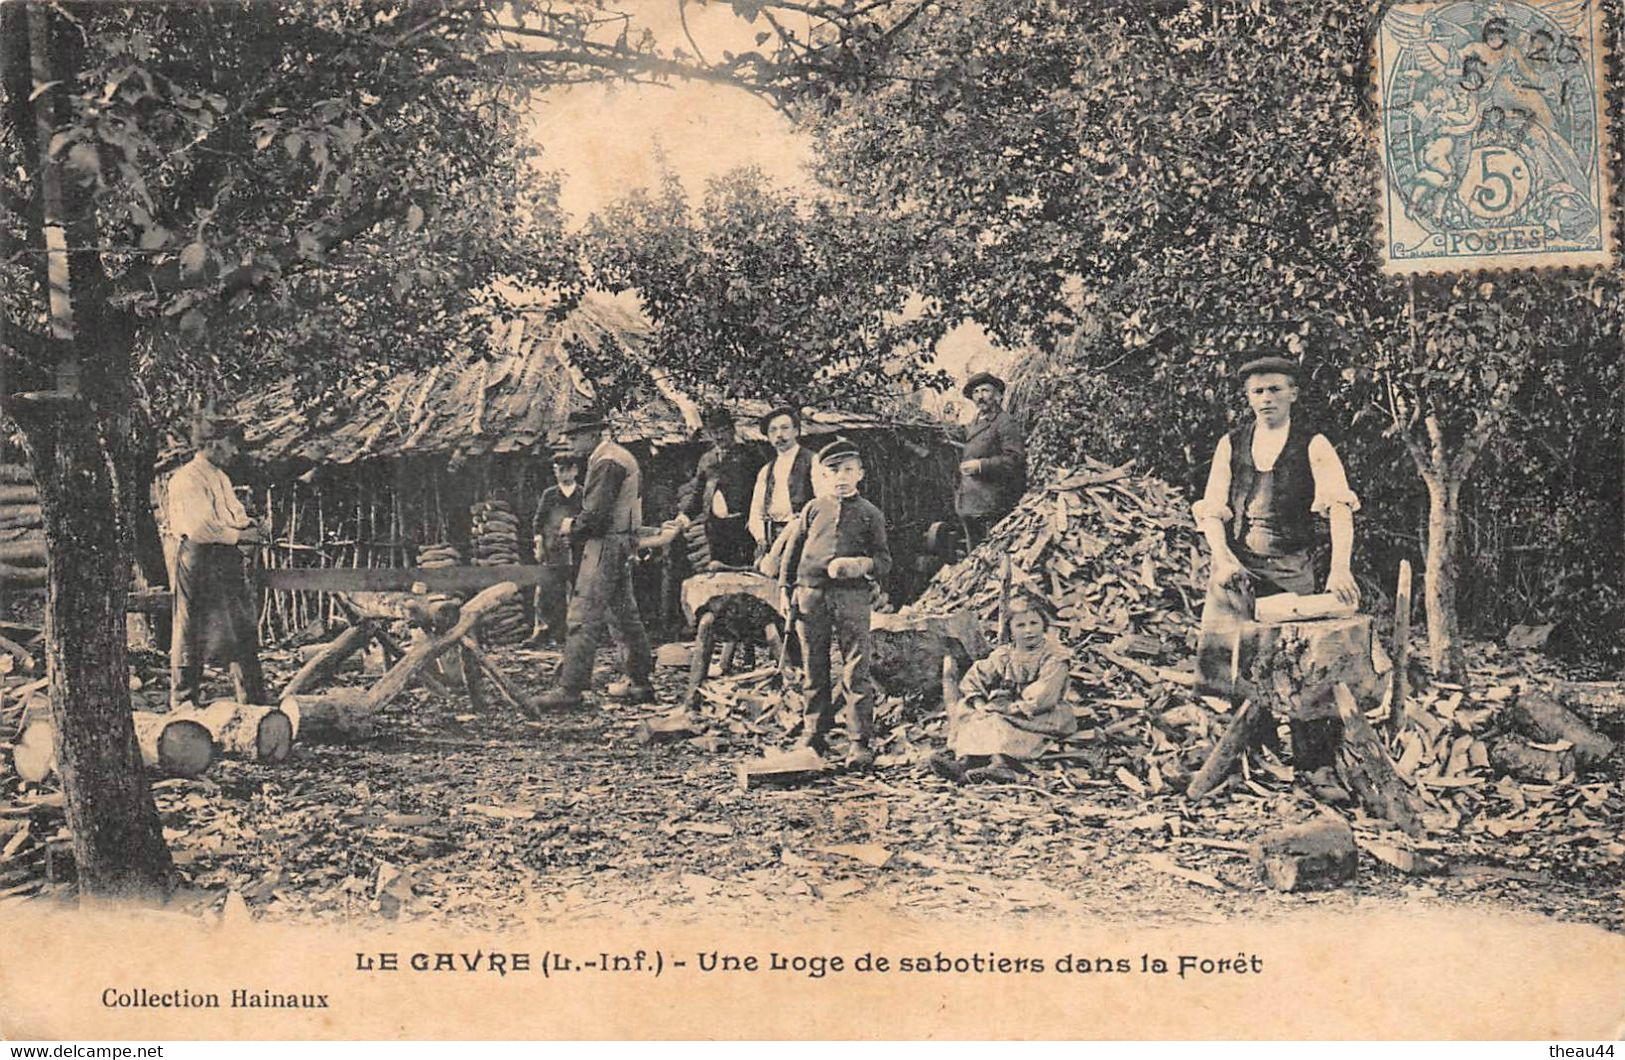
column 1331, row 485
column 1215, row 502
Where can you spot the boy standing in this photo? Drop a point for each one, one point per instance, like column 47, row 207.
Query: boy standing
column 834, row 551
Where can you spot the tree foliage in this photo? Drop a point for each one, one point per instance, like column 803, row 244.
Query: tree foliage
column 756, row 292
column 1150, row 193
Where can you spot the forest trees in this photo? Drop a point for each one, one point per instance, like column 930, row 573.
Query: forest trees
column 1149, row 192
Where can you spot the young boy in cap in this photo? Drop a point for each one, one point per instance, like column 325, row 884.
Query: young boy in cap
column 832, row 554
column 554, row 550
column 1268, row 481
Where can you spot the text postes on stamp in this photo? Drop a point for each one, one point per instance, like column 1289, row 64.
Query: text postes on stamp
column 1493, row 127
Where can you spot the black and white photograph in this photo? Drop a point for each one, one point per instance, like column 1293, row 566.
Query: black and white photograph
column 812, row 519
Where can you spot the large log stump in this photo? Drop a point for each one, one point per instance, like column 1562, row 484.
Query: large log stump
column 1323, row 653
column 909, row 649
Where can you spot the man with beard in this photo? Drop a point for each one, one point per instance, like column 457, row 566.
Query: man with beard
column 993, row 465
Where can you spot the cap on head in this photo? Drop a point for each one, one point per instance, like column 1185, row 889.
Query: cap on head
column 774, row 413
column 206, row 429
column 838, row 452
column 979, row 379
column 1271, row 365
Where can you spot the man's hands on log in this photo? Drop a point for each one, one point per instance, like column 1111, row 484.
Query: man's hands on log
column 1341, row 584
column 1227, row 569
column 845, row 567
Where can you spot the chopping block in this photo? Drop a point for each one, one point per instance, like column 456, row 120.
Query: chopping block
column 1232, row 662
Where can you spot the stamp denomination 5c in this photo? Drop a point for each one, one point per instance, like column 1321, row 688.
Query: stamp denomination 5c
column 1493, row 126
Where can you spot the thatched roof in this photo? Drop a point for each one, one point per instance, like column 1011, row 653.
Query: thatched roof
column 514, row 402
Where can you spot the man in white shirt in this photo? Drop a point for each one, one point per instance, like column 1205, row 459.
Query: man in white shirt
column 1268, row 481
column 785, row 483
column 214, row 614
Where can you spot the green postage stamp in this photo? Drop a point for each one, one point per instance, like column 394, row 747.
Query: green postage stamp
column 1494, row 135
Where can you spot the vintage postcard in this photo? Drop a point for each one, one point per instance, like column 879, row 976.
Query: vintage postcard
column 911, row 519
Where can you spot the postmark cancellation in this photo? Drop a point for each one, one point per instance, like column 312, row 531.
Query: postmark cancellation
column 1493, row 131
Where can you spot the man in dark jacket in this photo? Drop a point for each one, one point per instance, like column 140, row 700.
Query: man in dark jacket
column 719, row 492
column 557, row 555
column 784, row 485
column 606, row 531
column 993, row 466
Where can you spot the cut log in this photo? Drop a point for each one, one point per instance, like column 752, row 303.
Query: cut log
column 170, row 745
column 1548, row 721
column 1512, row 756
column 668, row 728
column 326, row 662
column 436, row 616
column 1243, row 731
column 22, row 577
column 420, row 655
column 257, row 733
column 338, row 716
column 22, row 515
column 1307, row 857
column 13, row 494
column 1365, row 767
column 782, row 769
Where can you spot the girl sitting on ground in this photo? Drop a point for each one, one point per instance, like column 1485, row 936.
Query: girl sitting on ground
column 1010, row 707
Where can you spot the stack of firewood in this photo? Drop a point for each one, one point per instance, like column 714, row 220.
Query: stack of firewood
column 22, row 538
column 495, row 534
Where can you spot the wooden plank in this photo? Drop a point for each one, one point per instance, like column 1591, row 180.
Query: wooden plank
column 397, row 579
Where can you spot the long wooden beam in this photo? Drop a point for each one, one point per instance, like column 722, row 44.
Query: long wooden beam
column 395, row 579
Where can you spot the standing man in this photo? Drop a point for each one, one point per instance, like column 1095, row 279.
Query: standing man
column 833, row 554
column 558, row 556
column 214, row 613
column 719, row 492
column 606, row 531
column 993, row 466
column 784, row 485
column 1268, row 481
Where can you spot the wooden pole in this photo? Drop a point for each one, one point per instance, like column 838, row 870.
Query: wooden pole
column 1399, row 680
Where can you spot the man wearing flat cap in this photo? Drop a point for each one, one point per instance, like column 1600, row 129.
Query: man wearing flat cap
column 606, row 532
column 993, row 465
column 785, row 483
column 214, row 614
column 1269, row 479
column 719, row 493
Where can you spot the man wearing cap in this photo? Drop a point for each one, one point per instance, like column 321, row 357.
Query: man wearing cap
column 832, row 554
column 720, row 490
column 606, row 532
column 785, row 483
column 1268, row 480
column 993, row 465
column 557, row 555
column 214, row 613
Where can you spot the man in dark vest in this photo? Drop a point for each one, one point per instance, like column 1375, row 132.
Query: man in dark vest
column 1268, row 481
column 556, row 553
column 719, row 492
column 606, row 531
column 993, row 465
column 785, row 483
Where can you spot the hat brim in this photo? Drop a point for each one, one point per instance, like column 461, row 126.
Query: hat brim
column 981, row 378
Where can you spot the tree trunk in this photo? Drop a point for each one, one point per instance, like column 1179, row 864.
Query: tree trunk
column 1439, row 575
column 118, row 842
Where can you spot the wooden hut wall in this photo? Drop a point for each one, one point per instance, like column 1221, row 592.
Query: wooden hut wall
column 380, row 513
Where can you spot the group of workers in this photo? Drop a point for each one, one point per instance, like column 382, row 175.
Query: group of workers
column 801, row 518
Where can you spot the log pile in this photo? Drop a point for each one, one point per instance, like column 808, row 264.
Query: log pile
column 496, row 543
column 22, row 534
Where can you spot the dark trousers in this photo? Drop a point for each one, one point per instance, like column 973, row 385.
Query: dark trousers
column 213, row 620
column 603, row 600
column 553, row 600
column 839, row 613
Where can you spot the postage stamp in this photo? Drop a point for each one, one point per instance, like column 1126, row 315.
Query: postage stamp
column 1493, row 129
